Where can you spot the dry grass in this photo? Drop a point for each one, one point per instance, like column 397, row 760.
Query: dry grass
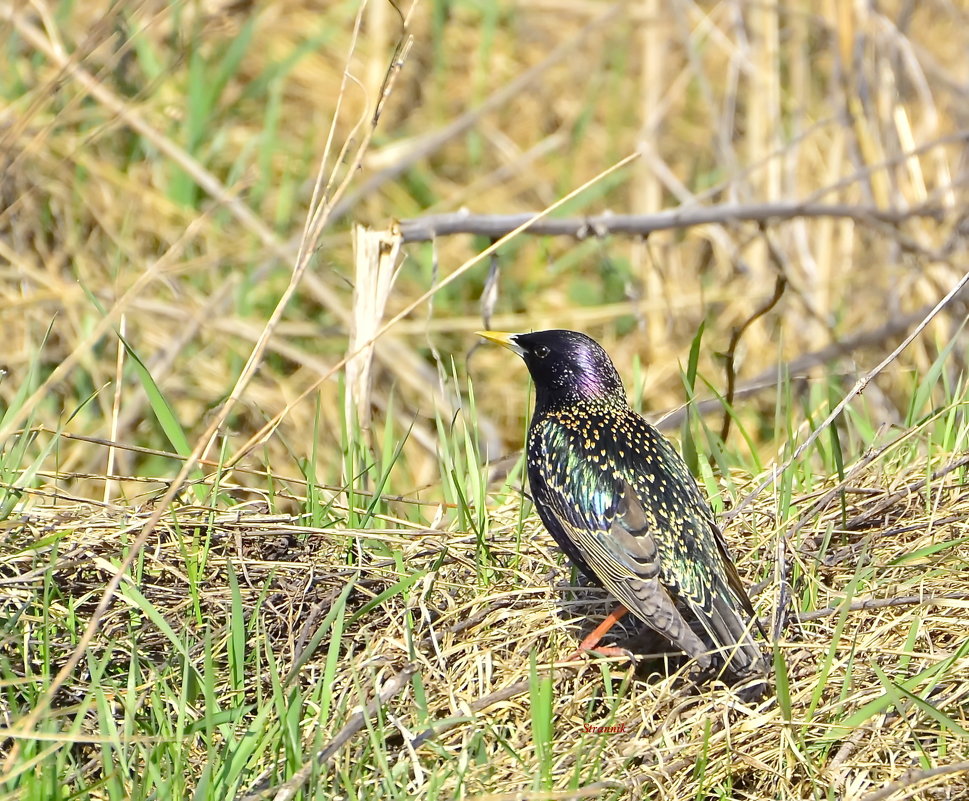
column 158, row 166
column 471, row 637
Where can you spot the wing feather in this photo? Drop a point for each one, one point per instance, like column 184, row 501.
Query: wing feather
column 643, row 528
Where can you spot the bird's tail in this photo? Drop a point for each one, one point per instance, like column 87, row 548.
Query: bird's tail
column 732, row 633
column 733, row 638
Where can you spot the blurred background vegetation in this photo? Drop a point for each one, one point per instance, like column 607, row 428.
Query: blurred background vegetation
column 159, row 159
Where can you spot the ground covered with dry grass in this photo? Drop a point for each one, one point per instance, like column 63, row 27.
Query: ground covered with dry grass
column 264, row 532
column 273, row 634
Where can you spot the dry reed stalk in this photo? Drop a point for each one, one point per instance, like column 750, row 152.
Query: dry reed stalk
column 376, row 260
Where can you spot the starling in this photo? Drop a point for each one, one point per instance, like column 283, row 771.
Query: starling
column 622, row 504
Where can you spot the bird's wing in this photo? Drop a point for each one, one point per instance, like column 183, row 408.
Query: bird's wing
column 604, row 521
column 696, row 558
column 627, row 559
column 704, row 525
column 647, row 533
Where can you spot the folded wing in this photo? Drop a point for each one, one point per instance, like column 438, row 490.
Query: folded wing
column 652, row 549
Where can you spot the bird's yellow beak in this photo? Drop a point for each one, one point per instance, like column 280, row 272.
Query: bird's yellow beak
column 503, row 339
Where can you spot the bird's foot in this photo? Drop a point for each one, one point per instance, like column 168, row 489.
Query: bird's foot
column 591, row 643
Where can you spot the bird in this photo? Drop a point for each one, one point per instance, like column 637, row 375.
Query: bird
column 624, row 507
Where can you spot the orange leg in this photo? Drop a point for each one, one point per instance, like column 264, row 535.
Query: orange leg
column 591, row 643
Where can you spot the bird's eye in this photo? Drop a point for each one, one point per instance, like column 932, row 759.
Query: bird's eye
column 541, row 351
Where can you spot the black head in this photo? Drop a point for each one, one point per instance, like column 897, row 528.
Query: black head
column 566, row 366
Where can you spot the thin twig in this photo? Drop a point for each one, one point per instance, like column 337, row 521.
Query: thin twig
column 914, row 776
column 800, row 365
column 484, row 702
column 880, row 603
column 594, row 790
column 886, row 503
column 731, row 354
column 819, row 505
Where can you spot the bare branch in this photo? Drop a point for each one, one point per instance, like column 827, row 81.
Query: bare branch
column 867, row 516
column 880, row 603
column 424, row 229
column 731, row 354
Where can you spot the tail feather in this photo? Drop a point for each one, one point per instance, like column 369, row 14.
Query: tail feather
column 734, row 639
